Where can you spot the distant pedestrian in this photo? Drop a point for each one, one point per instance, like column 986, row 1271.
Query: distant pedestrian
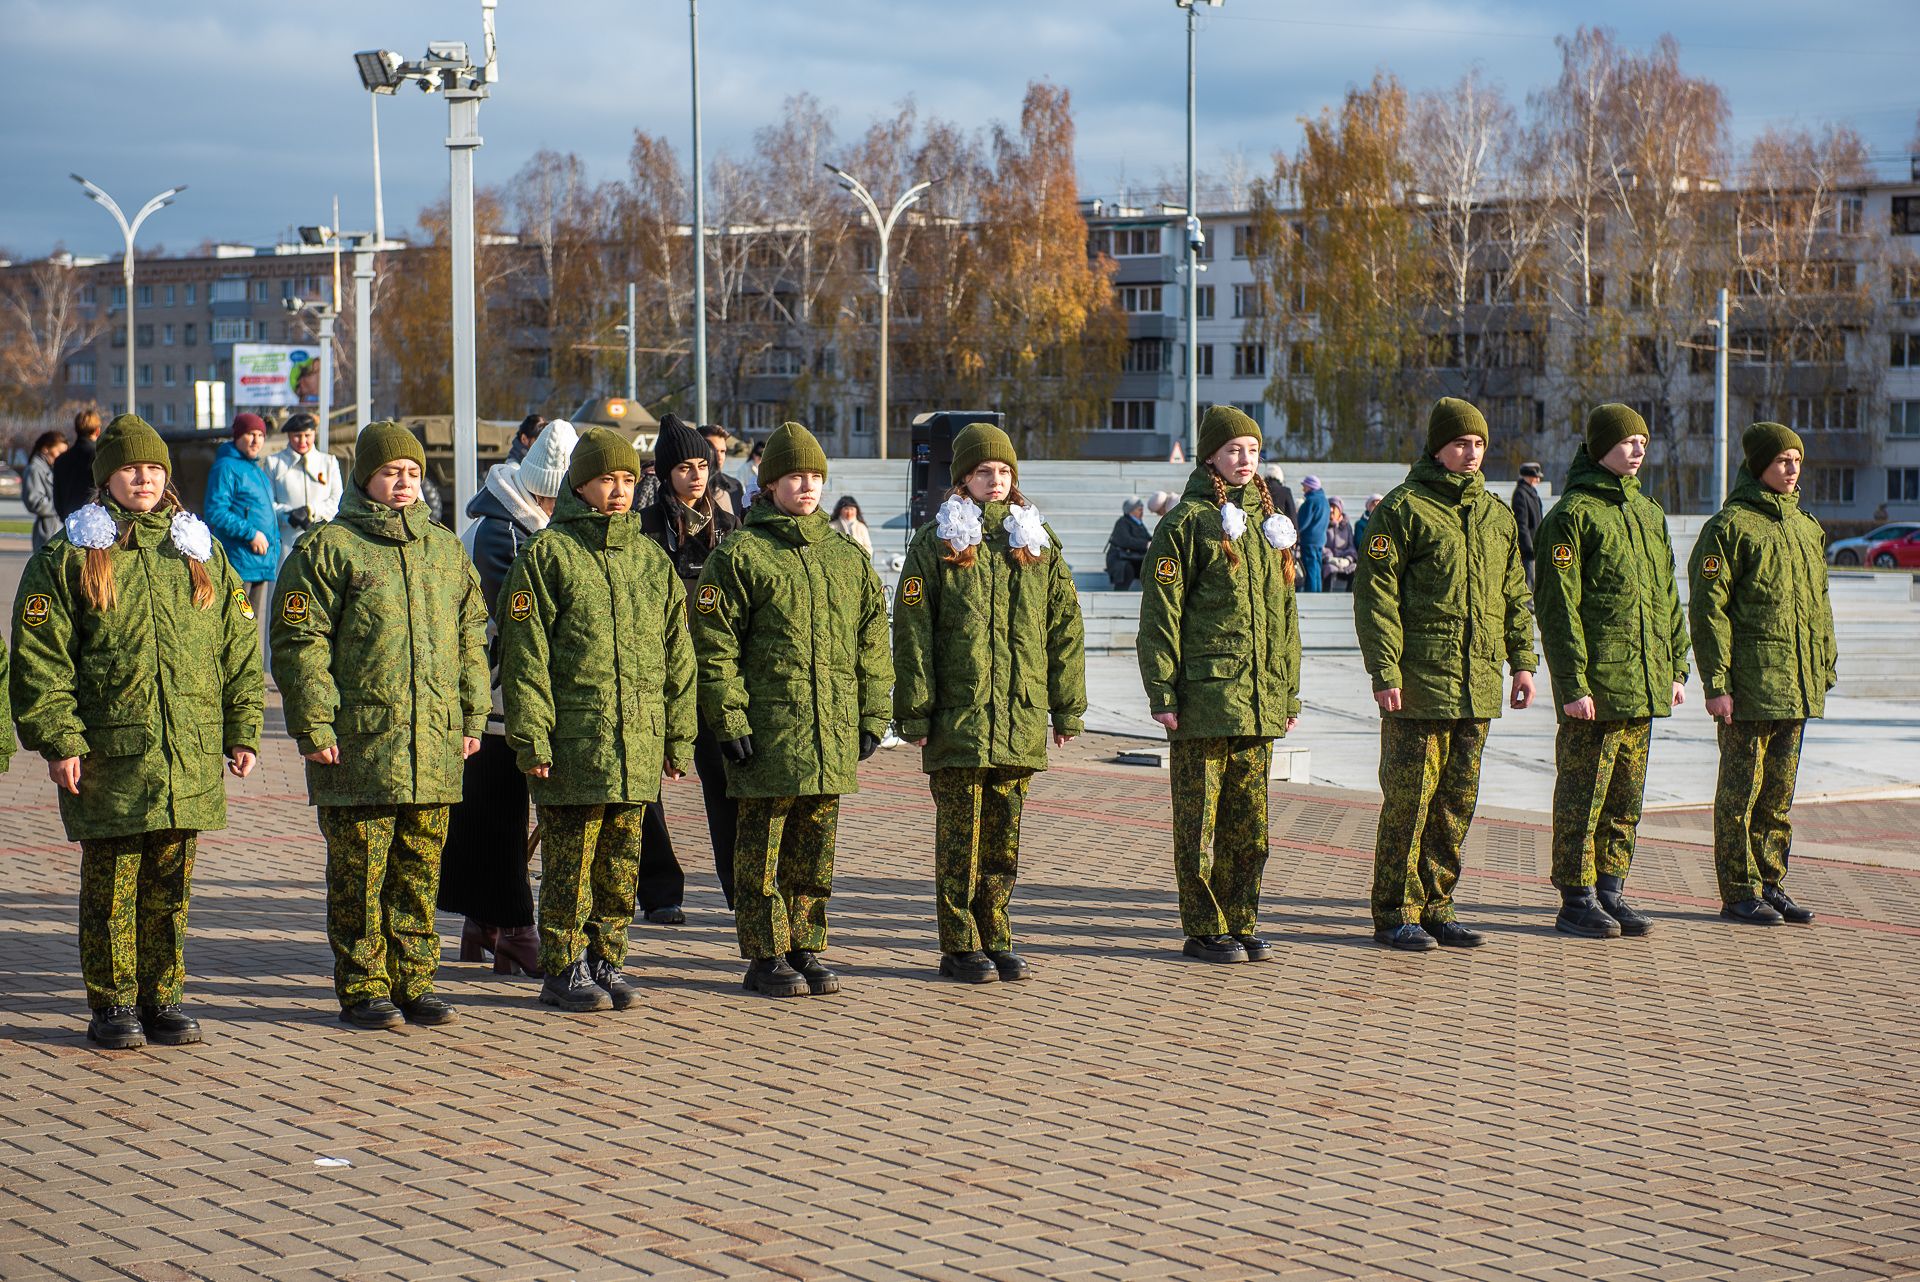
column 1127, row 546
column 1366, row 516
column 1276, row 478
column 135, row 669
column 37, row 490
column 525, row 435
column 1526, row 512
column 846, row 519
column 239, row 507
column 1337, row 557
column 73, row 485
column 306, row 481
column 727, row 491
column 1313, row 530
column 1161, row 502
column 750, row 475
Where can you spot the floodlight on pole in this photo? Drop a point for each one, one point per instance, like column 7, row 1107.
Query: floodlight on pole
column 883, row 225
column 128, row 230
column 1196, row 239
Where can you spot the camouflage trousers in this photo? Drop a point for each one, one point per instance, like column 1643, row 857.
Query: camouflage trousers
column 1430, row 775
column 1219, row 831
column 1600, row 775
column 976, row 855
column 383, row 875
column 589, row 877
column 1753, row 805
column 783, row 873
column 133, row 917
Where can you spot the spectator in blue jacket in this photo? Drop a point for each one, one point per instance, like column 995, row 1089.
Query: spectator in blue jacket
column 1312, row 522
column 239, row 508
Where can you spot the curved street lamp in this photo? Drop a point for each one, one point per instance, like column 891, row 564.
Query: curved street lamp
column 128, row 230
column 884, row 225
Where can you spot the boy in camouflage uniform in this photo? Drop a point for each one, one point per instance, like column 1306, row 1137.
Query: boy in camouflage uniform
column 1616, row 643
column 597, row 674
column 1763, row 634
column 1440, row 603
column 379, row 649
column 790, row 635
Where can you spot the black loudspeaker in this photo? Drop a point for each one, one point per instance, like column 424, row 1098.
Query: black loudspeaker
column 930, row 471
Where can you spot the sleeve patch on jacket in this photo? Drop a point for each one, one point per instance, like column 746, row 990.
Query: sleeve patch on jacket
column 1378, row 546
column 708, row 601
column 1710, row 567
column 913, row 591
column 293, row 607
column 1166, row 569
column 36, row 610
column 1562, row 556
column 240, row 600
column 520, row 609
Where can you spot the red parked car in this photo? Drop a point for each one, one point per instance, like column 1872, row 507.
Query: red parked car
column 1891, row 553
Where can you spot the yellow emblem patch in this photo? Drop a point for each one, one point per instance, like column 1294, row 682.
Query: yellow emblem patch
column 913, row 591
column 708, row 601
column 36, row 609
column 1166, row 569
column 240, row 599
column 293, row 607
column 1562, row 556
column 1378, row 546
column 1710, row 567
column 520, row 609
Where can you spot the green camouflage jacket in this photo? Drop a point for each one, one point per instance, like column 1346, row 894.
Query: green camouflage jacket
column 983, row 656
column 150, row 694
column 1610, row 618
column 379, row 644
column 595, row 664
column 1762, row 623
column 1219, row 644
column 1440, row 600
column 790, row 634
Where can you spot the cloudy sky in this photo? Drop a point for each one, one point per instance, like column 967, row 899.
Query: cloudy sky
column 255, row 103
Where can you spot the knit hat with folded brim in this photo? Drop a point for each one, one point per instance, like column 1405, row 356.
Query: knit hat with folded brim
column 1451, row 419
column 982, row 443
column 128, row 440
column 791, row 448
column 1223, row 423
column 1761, row 444
column 601, row 451
column 380, row 444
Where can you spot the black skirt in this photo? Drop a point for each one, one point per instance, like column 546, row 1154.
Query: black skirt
column 483, row 868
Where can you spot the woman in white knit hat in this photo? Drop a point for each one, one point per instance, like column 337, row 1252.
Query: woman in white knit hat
column 483, row 867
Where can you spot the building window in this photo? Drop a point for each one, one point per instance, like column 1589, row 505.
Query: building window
column 146, row 374
column 170, row 295
column 1246, row 301
column 230, row 331
column 1140, row 299
column 1833, row 484
column 1903, row 419
column 1255, row 410
column 119, row 375
column 1643, row 355
column 1906, row 351
column 166, row 375
column 80, row 373
column 286, row 289
column 192, row 291
column 1203, row 303
column 144, row 294
column 89, row 296
column 167, row 412
column 1130, row 416
column 119, row 296
column 1906, row 215
column 166, row 336
column 1144, row 356
column 1136, row 242
column 1903, row 485
column 259, row 291
column 1700, row 418
column 1203, row 360
column 1847, row 214
column 188, row 338
column 231, row 290
column 1244, row 241
column 1249, row 360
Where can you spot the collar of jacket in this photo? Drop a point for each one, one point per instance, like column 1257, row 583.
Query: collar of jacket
column 1453, row 488
column 1748, row 492
column 1200, row 488
column 229, row 450
column 150, row 529
column 377, row 520
column 797, row 531
column 608, row 530
column 1586, row 473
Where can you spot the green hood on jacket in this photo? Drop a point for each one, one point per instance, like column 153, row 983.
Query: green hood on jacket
column 1219, row 643
column 1440, row 600
column 1610, row 618
column 1761, row 621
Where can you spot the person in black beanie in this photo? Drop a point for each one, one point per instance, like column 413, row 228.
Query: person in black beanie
column 687, row 521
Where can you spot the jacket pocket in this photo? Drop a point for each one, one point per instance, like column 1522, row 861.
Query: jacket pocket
column 363, row 719
column 1212, row 667
column 119, row 741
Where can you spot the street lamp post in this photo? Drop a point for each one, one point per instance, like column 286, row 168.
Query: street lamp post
column 328, row 314
column 699, row 231
column 129, row 230
column 1196, row 237
column 883, row 225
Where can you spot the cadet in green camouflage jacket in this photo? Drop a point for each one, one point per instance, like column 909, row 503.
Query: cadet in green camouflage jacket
column 1440, row 603
column 987, row 646
column 790, row 633
column 379, row 650
column 1616, row 643
column 1219, row 654
column 136, row 667
column 1763, row 638
column 597, row 673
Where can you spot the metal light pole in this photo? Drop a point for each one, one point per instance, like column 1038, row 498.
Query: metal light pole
column 632, row 320
column 1195, row 238
column 1720, row 405
column 884, row 225
column 463, row 136
column 699, row 232
column 129, row 230
column 362, row 338
column 327, row 315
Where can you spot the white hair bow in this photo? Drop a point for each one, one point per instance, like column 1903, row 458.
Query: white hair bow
column 959, row 523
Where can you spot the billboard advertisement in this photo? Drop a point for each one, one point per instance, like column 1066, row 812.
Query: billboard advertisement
column 276, row 375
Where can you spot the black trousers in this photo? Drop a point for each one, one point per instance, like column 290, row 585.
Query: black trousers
column 483, row 866
column 662, row 882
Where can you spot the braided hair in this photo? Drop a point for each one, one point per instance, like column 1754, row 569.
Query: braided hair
column 1266, row 510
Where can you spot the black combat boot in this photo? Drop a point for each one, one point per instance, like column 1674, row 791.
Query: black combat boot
column 117, row 1028
column 168, row 1025
column 1011, row 965
column 1751, row 912
column 427, row 1010
column 615, row 982
column 1214, row 948
column 376, row 1012
column 1778, row 901
column 969, row 968
column 1611, row 891
column 1407, row 937
column 1582, row 915
column 820, row 980
column 1451, row 934
column 1256, row 948
column 572, row 989
column 772, row 977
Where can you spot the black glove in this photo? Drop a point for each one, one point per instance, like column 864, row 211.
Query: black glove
column 869, row 744
column 738, row 751
column 300, row 518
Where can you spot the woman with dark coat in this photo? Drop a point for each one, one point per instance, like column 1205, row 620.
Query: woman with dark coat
column 483, row 866
column 684, row 519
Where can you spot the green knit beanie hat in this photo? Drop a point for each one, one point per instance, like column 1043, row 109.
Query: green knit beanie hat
column 1451, row 419
column 1608, row 425
column 1762, row 444
column 980, row 443
column 791, row 448
column 128, row 440
column 1223, row 423
column 380, row 444
column 600, row 452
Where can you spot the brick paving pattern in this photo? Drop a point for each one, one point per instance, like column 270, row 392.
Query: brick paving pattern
column 1715, row 1102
